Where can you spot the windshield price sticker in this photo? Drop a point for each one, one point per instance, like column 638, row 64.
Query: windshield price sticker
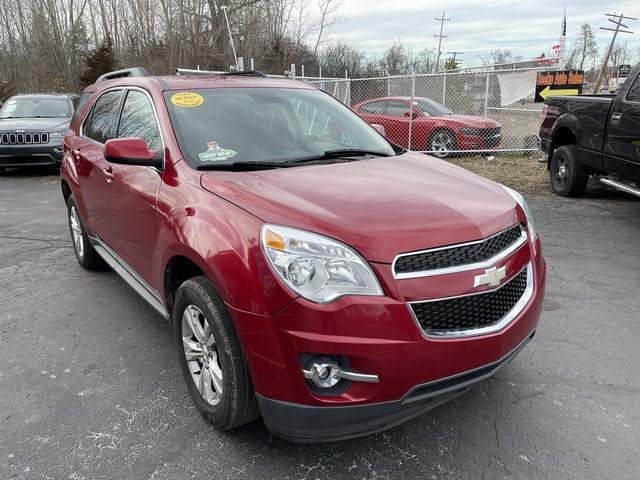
column 216, row 153
column 187, row 99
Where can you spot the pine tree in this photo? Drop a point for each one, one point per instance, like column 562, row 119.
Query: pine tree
column 99, row 61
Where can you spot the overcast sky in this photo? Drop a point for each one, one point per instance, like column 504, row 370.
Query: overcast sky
column 525, row 27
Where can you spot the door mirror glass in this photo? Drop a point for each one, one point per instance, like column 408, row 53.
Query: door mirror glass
column 131, row 151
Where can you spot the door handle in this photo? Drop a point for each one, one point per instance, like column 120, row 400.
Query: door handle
column 108, row 174
column 616, row 117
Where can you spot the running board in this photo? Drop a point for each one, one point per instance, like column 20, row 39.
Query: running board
column 129, row 276
column 625, row 187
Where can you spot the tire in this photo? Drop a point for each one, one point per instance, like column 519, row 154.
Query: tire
column 568, row 177
column 441, row 143
column 224, row 395
column 87, row 257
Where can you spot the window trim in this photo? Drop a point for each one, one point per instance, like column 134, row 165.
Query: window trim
column 626, row 97
column 125, row 91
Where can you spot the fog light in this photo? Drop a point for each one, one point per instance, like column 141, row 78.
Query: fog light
column 323, row 375
column 326, row 373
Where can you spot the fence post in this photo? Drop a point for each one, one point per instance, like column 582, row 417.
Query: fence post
column 444, row 88
column 486, row 95
column 413, row 94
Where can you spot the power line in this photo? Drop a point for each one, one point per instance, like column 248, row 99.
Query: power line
column 617, row 21
column 440, row 36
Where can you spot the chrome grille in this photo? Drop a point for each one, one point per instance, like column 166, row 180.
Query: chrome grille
column 464, row 255
column 24, row 138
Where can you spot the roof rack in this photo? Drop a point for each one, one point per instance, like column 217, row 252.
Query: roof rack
column 125, row 72
column 248, row 73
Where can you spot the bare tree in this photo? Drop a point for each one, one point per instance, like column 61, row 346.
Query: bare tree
column 586, row 44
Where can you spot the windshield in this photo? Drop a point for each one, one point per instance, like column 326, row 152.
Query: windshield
column 431, row 108
column 265, row 125
column 34, row 107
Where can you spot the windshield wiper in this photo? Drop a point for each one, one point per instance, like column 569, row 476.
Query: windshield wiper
column 242, row 166
column 340, row 153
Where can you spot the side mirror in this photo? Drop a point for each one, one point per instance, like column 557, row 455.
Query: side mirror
column 412, row 114
column 131, row 151
column 380, row 129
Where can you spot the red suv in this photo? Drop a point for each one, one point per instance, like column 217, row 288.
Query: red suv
column 313, row 273
column 431, row 127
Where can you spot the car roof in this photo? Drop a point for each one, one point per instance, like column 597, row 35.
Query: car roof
column 194, row 82
column 44, row 95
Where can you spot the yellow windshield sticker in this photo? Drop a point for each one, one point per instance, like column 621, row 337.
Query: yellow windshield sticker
column 187, row 99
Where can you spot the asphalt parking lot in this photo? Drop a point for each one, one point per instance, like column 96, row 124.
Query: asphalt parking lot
column 90, row 386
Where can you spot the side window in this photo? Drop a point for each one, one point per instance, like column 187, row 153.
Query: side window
column 138, row 120
column 103, row 117
column 376, row 108
column 78, row 105
column 634, row 91
column 397, row 108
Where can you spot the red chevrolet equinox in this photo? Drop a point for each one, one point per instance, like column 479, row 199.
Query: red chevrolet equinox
column 313, row 273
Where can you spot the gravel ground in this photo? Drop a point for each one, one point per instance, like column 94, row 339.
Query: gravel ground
column 90, row 387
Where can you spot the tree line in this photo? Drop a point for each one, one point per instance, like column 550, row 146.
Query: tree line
column 63, row 45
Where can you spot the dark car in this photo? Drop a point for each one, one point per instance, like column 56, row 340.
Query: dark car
column 32, row 127
column 430, row 127
column 594, row 135
column 313, row 273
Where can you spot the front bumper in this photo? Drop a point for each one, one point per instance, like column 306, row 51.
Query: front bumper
column 478, row 142
column 375, row 336
column 30, row 155
column 313, row 424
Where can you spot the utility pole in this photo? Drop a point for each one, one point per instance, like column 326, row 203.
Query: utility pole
column 440, row 37
column 617, row 21
column 455, row 56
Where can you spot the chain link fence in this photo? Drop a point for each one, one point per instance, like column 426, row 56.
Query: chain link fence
column 480, row 111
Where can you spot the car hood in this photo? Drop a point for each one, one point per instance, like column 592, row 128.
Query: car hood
column 467, row 121
column 34, row 124
column 381, row 206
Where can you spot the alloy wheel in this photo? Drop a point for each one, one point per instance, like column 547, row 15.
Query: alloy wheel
column 201, row 353
column 76, row 231
column 561, row 172
column 442, row 144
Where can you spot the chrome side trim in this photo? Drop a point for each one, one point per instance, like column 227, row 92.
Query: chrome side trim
column 461, row 268
column 146, row 291
column 496, row 327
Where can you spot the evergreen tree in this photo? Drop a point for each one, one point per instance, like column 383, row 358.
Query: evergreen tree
column 99, row 61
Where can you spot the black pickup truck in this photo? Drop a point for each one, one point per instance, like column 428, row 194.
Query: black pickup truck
column 596, row 135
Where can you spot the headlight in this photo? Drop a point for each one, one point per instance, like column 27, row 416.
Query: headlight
column 316, row 267
column 527, row 211
column 59, row 134
column 470, row 131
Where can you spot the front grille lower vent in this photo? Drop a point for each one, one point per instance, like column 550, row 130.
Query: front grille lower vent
column 457, row 255
column 471, row 311
column 24, row 138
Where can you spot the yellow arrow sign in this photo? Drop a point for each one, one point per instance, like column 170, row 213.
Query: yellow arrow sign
column 547, row 92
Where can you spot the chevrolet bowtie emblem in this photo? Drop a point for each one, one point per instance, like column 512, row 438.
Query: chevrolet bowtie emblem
column 491, row 277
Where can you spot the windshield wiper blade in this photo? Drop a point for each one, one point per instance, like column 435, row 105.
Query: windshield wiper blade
column 241, row 166
column 339, row 154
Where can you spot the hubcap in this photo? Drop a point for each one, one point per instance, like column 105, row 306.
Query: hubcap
column 562, row 172
column 201, row 354
column 76, row 231
column 441, row 144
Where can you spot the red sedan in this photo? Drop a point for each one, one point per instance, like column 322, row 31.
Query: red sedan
column 434, row 128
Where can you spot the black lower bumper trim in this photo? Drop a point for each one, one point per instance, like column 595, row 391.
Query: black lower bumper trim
column 312, row 424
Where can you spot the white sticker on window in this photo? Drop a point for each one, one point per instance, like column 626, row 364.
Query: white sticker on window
column 216, row 153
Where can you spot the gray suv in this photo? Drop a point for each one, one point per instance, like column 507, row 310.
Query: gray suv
column 32, row 127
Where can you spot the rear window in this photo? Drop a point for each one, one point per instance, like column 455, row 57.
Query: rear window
column 265, row 125
column 37, row 107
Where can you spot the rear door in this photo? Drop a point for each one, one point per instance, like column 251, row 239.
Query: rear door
column 132, row 192
column 99, row 126
column 622, row 145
